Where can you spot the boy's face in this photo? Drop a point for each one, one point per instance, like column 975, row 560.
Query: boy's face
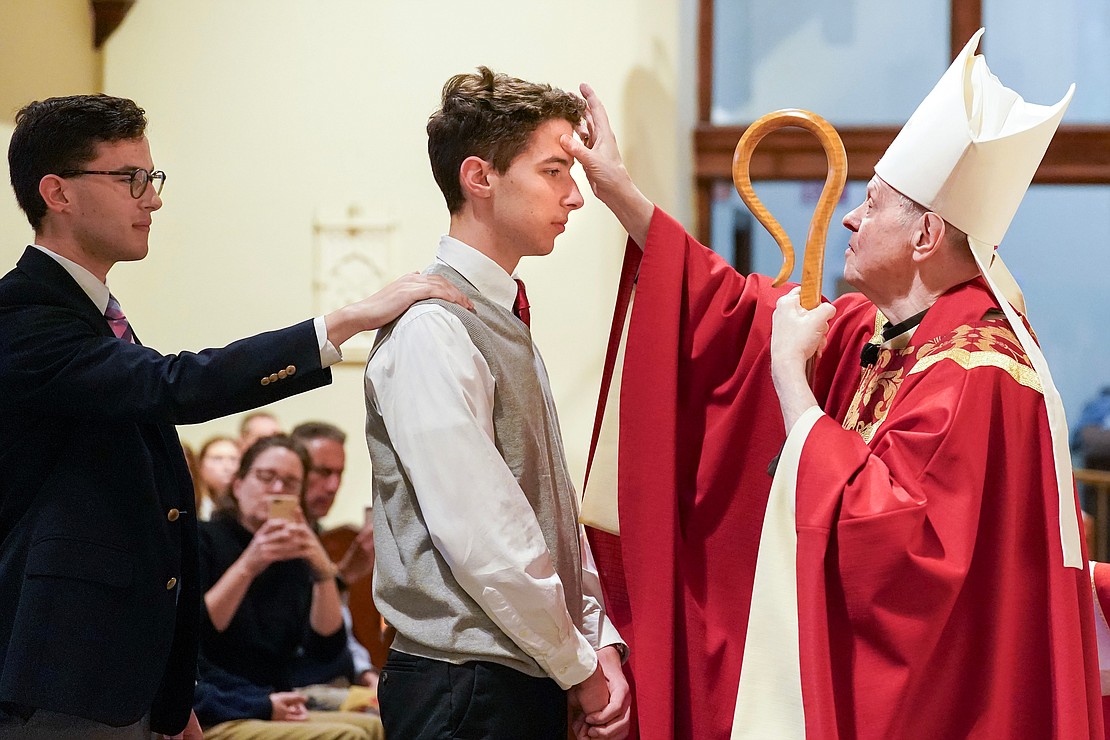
column 533, row 198
column 109, row 225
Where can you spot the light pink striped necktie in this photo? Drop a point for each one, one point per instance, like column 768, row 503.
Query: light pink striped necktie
column 118, row 321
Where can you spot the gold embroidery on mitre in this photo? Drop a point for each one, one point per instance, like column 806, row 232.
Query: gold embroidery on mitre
column 993, row 345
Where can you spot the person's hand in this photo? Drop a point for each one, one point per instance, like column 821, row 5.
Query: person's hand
column 596, row 150
column 308, row 547
column 288, row 706
column 358, row 562
column 798, row 334
column 389, row 303
column 615, row 719
column 192, row 730
column 369, row 679
column 589, row 697
column 274, row 541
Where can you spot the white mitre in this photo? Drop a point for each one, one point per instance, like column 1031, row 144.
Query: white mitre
column 968, row 153
column 970, row 150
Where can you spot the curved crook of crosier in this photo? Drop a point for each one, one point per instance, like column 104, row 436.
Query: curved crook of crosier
column 813, row 262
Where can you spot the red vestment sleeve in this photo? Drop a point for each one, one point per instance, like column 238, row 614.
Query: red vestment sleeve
column 699, row 424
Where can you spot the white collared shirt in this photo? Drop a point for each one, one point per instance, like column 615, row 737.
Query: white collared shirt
column 435, row 393
column 98, row 293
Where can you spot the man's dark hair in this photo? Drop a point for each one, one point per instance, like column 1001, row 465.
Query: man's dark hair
column 492, row 116
column 310, row 430
column 59, row 134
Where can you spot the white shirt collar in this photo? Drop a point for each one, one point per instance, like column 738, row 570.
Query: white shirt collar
column 488, row 277
column 94, row 289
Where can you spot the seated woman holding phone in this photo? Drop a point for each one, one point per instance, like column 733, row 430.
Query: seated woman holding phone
column 270, row 600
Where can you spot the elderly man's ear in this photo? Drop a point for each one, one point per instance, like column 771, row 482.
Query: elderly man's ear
column 928, row 235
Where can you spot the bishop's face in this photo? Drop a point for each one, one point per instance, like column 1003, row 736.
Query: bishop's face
column 879, row 258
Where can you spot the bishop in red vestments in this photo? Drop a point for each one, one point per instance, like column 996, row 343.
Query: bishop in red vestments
column 930, row 546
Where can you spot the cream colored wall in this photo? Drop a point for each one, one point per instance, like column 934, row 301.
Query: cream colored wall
column 266, row 112
column 46, row 49
column 17, row 232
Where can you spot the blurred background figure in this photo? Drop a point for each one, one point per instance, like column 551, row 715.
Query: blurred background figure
column 257, row 425
column 1091, row 443
column 215, row 467
column 1092, row 437
column 352, row 549
column 324, row 443
column 271, row 599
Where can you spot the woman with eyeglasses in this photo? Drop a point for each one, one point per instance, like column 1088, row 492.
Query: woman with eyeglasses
column 270, row 597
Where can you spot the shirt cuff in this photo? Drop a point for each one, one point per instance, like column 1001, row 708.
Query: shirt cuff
column 608, row 635
column 572, row 664
column 329, row 353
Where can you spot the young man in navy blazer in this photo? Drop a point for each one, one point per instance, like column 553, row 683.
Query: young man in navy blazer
column 98, row 591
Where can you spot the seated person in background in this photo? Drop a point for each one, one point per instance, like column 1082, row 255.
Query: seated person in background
column 257, row 425
column 1092, row 437
column 216, row 465
column 270, row 596
column 1091, row 442
column 324, row 443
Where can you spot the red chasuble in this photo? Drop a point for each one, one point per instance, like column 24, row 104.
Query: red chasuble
column 699, row 424
column 932, row 600
column 932, row 596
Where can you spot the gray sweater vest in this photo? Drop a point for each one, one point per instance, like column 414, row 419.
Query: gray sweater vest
column 413, row 586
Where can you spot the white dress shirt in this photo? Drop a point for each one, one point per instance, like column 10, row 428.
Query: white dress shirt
column 435, row 393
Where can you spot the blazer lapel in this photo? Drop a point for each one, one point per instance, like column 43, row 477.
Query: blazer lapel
column 63, row 289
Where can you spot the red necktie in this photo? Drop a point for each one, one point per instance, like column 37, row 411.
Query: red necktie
column 118, row 322
column 521, row 307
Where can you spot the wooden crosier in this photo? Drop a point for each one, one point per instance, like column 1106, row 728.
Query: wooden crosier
column 813, row 260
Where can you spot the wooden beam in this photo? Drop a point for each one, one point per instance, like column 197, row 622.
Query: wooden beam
column 705, row 60
column 107, row 15
column 789, row 154
column 1078, row 154
column 965, row 18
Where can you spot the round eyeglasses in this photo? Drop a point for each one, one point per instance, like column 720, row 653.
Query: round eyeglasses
column 138, row 178
column 268, row 477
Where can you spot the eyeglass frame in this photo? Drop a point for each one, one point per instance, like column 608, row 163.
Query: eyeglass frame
column 267, row 477
column 157, row 176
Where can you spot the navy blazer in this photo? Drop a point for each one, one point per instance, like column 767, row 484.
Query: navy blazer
column 99, row 598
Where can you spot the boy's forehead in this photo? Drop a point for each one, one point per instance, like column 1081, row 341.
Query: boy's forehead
column 554, row 128
column 544, row 141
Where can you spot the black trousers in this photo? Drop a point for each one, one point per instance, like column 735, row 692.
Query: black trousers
column 424, row 699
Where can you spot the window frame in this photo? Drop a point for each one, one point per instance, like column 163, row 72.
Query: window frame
column 1078, row 155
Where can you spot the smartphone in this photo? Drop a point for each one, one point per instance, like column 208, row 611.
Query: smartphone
column 283, row 506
